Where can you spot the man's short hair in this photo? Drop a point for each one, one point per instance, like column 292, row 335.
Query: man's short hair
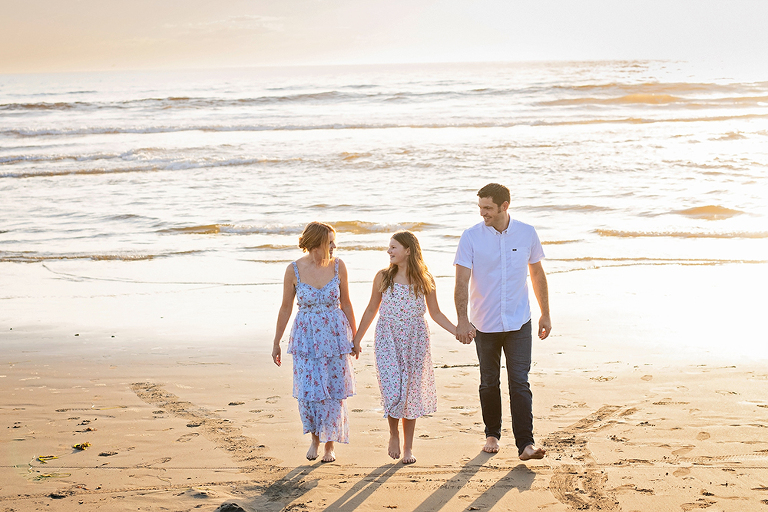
column 497, row 193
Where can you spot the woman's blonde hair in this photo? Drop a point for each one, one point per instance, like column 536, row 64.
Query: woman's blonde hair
column 418, row 275
column 317, row 234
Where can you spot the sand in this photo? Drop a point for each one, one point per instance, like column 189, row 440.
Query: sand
column 181, row 418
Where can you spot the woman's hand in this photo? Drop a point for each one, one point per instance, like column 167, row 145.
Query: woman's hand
column 276, row 354
column 357, row 349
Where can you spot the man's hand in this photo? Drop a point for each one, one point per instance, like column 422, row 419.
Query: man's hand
column 465, row 331
column 545, row 326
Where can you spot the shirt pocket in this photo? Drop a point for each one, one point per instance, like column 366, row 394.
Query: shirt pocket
column 518, row 259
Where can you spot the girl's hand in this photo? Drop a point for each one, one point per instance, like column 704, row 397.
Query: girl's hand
column 357, row 349
column 276, row 354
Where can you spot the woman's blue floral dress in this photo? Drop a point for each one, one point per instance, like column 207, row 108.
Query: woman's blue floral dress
column 321, row 345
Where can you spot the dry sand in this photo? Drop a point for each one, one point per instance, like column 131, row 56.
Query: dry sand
column 190, row 425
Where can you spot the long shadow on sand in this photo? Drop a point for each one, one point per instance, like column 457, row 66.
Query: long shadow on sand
column 292, row 486
column 362, row 490
column 449, row 489
column 520, row 477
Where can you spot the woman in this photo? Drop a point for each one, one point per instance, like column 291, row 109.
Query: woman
column 320, row 340
column 403, row 361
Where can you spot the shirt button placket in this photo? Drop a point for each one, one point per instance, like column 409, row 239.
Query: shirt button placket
column 503, row 254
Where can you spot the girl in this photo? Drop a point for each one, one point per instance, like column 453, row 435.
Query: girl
column 320, row 340
column 401, row 343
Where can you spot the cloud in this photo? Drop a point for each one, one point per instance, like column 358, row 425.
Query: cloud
column 231, row 24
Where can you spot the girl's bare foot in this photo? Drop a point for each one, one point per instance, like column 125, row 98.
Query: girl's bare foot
column 409, row 427
column 394, row 446
column 313, row 447
column 329, row 455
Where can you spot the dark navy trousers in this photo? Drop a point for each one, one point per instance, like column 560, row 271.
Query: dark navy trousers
column 517, row 353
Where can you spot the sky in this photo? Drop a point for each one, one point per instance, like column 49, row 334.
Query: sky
column 88, row 35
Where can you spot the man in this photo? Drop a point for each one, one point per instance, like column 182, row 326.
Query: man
column 494, row 258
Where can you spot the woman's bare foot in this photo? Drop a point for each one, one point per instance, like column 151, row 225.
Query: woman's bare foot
column 408, row 457
column 491, row 445
column 313, row 447
column 329, row 455
column 531, row 452
column 394, row 446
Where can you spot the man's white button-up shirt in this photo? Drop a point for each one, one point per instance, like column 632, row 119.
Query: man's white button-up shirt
column 498, row 287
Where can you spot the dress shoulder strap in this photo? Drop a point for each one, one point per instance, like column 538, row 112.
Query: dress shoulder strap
column 336, row 266
column 296, row 271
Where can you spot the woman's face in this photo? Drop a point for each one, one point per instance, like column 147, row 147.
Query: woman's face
column 331, row 242
column 398, row 254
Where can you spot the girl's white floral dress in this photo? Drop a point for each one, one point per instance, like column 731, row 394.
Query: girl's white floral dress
column 403, row 357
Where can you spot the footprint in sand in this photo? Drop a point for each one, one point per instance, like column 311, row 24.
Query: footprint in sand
column 646, row 378
column 272, row 399
column 681, row 472
column 187, row 437
column 151, row 463
column 703, row 436
column 682, row 451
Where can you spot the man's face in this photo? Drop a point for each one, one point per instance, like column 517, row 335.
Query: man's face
column 492, row 213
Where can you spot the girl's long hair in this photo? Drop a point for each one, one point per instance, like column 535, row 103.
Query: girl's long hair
column 421, row 280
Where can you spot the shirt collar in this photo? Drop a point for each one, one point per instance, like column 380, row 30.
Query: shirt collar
column 505, row 232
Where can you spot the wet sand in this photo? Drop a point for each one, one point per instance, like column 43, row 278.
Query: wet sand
column 179, row 421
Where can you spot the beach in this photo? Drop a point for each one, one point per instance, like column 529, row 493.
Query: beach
column 147, row 219
column 178, row 420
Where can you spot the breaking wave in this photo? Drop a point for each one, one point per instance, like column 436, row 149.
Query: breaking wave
column 362, row 227
column 681, row 234
column 151, row 166
column 36, row 257
column 710, row 212
column 521, row 121
column 352, row 226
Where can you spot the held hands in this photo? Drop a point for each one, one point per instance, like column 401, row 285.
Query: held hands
column 545, row 326
column 465, row 331
column 356, row 348
column 276, row 354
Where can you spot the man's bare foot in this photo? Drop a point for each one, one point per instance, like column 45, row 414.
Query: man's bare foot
column 491, row 445
column 408, row 457
column 531, row 452
column 394, row 446
column 313, row 447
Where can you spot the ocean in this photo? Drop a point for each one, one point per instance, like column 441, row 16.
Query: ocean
column 206, row 178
